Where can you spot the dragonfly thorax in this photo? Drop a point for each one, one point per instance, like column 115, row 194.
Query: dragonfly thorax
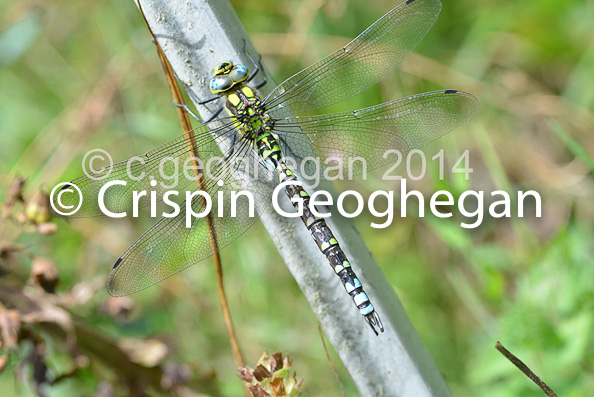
column 248, row 112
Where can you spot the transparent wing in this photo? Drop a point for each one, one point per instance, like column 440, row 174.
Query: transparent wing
column 170, row 165
column 175, row 243
column 403, row 124
column 358, row 65
column 178, row 241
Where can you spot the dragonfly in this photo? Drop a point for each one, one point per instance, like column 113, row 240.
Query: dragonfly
column 251, row 142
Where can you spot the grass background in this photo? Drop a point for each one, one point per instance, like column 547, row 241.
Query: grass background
column 76, row 75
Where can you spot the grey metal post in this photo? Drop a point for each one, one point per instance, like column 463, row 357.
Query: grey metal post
column 196, row 36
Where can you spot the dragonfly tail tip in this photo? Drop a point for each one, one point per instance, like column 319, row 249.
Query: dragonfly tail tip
column 373, row 319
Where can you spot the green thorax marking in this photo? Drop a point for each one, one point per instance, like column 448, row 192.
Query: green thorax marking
column 247, row 112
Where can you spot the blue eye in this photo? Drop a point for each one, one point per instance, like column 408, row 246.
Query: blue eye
column 239, row 73
column 220, row 84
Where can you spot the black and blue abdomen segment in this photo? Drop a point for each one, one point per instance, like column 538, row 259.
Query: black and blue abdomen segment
column 329, row 246
column 269, row 150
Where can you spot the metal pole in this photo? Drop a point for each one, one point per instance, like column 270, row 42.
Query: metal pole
column 198, row 35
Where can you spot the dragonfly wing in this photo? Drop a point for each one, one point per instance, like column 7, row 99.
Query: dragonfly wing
column 403, row 124
column 358, row 65
column 170, row 165
column 175, row 243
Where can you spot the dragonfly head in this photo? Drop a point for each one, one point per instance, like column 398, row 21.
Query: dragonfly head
column 226, row 75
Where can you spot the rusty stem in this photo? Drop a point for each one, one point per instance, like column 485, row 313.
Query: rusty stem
column 189, row 135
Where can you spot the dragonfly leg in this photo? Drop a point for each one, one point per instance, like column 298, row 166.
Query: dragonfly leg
column 193, row 97
column 257, row 67
column 215, row 114
column 208, row 100
column 187, row 109
column 212, row 117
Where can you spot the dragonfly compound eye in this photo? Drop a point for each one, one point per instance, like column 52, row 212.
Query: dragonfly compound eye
column 220, row 84
column 239, row 73
column 222, row 68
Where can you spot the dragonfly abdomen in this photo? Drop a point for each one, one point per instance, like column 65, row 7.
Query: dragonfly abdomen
column 269, row 149
column 329, row 246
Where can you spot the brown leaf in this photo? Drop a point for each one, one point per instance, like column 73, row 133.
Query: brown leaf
column 44, row 273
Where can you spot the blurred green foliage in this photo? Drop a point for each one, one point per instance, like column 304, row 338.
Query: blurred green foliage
column 76, row 75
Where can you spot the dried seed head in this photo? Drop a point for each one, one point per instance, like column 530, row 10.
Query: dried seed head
column 38, row 209
column 271, row 377
column 15, row 191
